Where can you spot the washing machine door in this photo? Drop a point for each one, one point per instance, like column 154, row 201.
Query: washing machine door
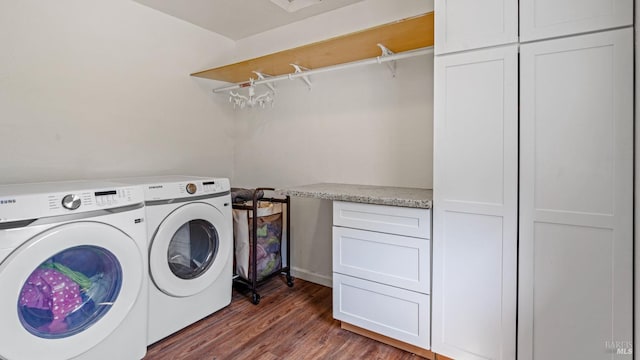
column 190, row 249
column 66, row 289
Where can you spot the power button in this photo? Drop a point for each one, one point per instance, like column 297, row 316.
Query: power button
column 191, row 188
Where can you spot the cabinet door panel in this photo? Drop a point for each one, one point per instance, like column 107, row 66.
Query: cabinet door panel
column 475, row 204
column 576, row 196
column 572, row 278
column 471, row 24
column 541, row 19
column 471, row 284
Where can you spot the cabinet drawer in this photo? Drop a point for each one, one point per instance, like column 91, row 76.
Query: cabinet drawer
column 399, row 314
column 389, row 219
column 394, row 260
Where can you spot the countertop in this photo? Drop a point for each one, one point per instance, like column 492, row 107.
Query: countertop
column 368, row 194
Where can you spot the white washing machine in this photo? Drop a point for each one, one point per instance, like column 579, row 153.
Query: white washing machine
column 189, row 224
column 72, row 271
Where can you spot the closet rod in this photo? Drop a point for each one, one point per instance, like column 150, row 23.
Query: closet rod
column 295, row 75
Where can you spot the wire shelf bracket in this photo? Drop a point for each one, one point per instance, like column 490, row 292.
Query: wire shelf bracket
column 387, row 56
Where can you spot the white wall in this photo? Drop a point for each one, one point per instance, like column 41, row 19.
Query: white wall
column 95, row 89
column 92, row 89
column 352, row 18
column 637, row 185
column 355, row 126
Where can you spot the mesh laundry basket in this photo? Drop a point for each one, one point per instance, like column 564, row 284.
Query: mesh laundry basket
column 266, row 254
column 269, row 240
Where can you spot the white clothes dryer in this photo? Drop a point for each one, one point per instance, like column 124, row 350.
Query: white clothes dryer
column 72, row 271
column 189, row 224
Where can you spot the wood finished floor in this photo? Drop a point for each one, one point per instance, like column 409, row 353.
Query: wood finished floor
column 289, row 323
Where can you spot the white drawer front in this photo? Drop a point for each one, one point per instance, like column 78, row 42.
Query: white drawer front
column 389, row 219
column 399, row 314
column 394, row 260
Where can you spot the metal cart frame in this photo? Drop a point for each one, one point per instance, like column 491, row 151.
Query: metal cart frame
column 253, row 283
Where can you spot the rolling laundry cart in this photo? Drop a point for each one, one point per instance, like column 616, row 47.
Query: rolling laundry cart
column 260, row 225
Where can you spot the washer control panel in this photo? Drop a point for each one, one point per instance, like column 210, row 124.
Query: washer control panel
column 30, row 206
column 91, row 200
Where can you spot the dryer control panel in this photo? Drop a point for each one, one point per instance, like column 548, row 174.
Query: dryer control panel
column 186, row 189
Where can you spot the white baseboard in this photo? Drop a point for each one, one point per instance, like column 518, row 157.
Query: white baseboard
column 312, row 277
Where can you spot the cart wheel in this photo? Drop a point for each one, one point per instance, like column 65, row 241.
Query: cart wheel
column 255, row 299
column 289, row 281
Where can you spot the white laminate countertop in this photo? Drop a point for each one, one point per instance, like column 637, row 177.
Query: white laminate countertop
column 368, row 194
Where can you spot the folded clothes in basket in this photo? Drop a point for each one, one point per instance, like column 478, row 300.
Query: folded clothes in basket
column 240, row 195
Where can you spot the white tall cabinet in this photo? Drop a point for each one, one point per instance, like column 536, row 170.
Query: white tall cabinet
column 475, row 189
column 533, row 179
column 576, row 196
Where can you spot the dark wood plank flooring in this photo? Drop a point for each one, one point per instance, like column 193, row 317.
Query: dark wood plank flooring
column 289, row 323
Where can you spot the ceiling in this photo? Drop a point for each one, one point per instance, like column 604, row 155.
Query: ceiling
column 237, row 19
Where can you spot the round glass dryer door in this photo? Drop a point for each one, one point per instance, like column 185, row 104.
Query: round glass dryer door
column 189, row 250
column 66, row 289
column 192, row 249
column 69, row 292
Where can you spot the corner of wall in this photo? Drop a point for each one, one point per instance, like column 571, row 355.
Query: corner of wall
column 352, row 18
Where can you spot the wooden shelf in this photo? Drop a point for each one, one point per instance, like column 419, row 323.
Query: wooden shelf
column 399, row 36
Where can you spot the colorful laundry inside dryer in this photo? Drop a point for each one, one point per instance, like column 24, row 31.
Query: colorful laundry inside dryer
column 78, row 277
column 69, row 292
column 52, row 291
